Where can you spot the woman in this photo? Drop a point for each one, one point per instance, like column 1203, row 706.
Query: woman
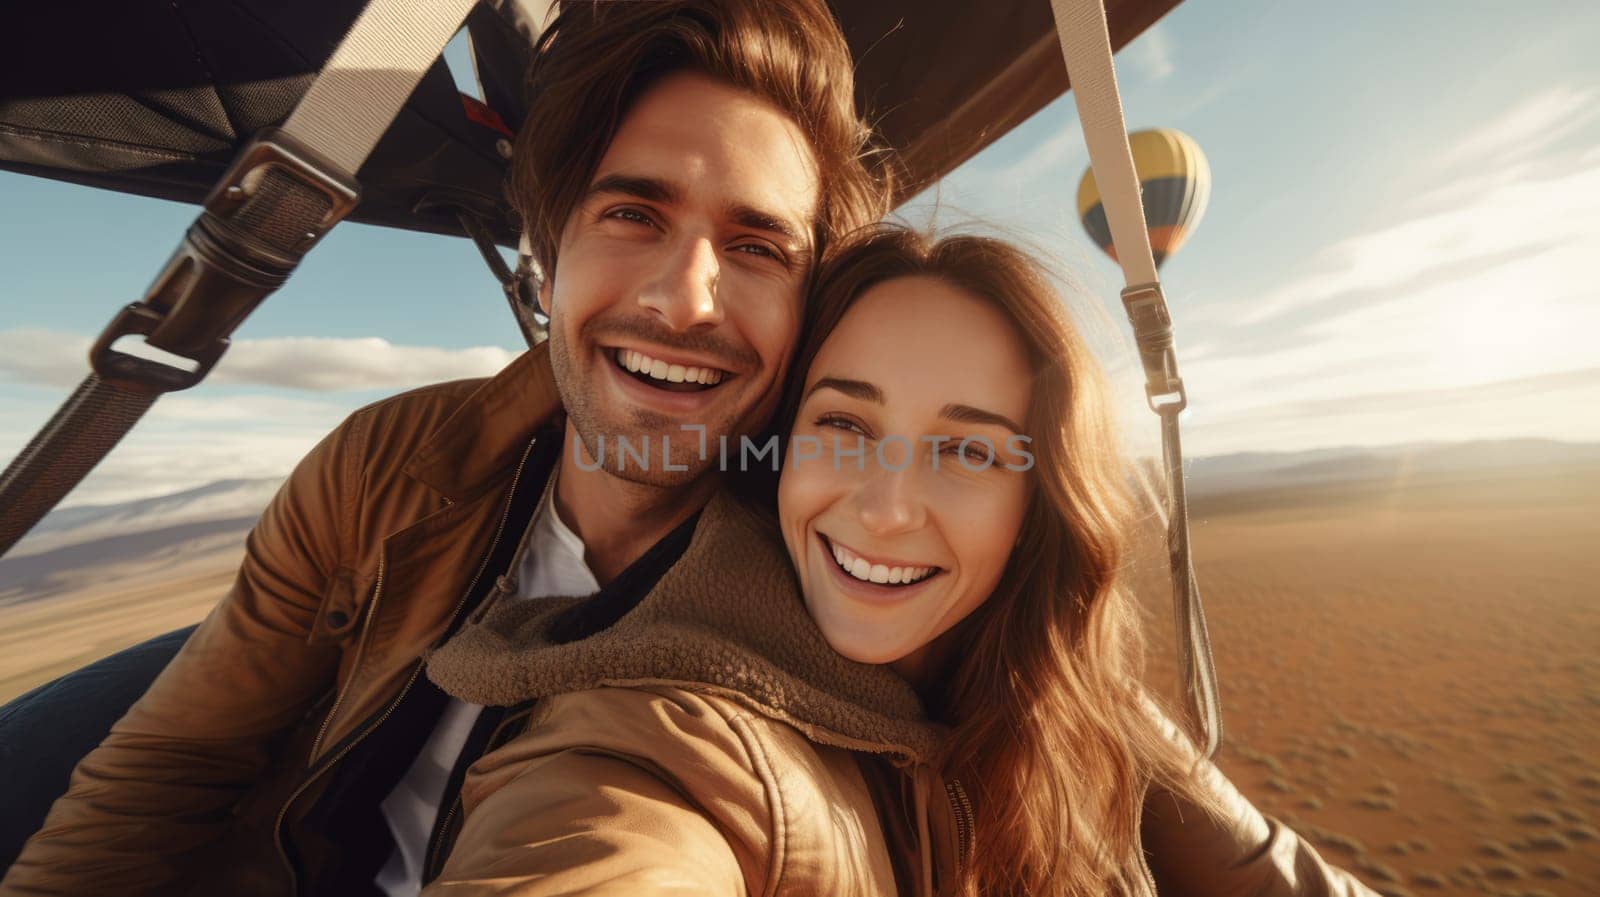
column 946, row 701
column 1009, row 522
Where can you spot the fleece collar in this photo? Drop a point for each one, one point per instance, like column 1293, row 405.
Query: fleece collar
column 726, row 618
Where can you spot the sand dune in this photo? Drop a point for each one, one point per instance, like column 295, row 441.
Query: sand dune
column 1409, row 665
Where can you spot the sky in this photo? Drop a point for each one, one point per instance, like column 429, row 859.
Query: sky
column 1398, row 248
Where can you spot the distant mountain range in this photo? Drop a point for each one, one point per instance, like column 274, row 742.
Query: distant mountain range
column 76, row 544
column 1262, row 470
column 215, row 517
column 223, row 499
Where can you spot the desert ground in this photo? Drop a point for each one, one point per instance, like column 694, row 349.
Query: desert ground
column 1410, row 672
column 1409, row 666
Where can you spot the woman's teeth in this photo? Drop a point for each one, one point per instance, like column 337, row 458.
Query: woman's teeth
column 656, row 369
column 866, row 571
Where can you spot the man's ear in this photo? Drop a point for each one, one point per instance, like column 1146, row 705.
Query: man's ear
column 525, row 261
column 544, row 296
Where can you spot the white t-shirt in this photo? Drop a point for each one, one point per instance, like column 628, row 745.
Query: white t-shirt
column 551, row 564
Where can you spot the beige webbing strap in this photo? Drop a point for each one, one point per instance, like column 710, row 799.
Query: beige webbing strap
column 1086, row 47
column 269, row 218
column 370, row 76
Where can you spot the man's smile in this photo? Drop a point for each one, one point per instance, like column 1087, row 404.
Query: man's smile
column 670, row 374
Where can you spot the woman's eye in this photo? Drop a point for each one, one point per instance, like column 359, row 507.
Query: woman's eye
column 834, row 422
column 974, row 451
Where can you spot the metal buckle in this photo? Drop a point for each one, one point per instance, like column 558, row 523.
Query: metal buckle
column 1159, row 401
column 274, row 147
column 1146, row 303
column 1152, row 333
column 221, row 271
column 142, row 320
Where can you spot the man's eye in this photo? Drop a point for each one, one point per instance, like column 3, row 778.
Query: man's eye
column 758, row 249
column 633, row 215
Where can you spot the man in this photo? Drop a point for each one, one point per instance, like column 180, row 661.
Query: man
column 683, row 165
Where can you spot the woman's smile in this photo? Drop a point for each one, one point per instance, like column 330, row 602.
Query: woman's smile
column 871, row 579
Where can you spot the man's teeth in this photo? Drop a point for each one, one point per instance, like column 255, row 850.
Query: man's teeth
column 865, row 570
column 656, row 369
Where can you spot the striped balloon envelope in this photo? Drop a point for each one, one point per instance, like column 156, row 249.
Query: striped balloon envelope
column 1175, row 182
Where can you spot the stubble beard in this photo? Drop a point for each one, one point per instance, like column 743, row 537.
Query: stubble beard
column 598, row 428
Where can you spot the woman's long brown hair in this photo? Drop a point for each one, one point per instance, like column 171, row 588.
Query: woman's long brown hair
column 1054, row 737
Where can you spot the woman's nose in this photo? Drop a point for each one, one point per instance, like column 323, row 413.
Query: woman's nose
column 684, row 292
column 890, row 501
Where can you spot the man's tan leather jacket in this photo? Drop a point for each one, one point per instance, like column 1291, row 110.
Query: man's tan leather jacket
column 354, row 570
column 674, row 783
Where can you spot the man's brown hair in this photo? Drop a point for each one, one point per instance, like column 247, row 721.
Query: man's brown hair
column 599, row 56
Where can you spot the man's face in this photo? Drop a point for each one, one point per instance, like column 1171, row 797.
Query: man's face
column 678, row 286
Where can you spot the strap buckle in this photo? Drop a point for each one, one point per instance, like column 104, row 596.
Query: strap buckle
column 1152, row 333
column 275, row 148
column 139, row 319
column 275, row 202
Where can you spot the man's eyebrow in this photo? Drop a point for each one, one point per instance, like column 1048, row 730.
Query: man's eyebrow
column 857, row 389
column 646, row 188
column 749, row 216
column 971, row 415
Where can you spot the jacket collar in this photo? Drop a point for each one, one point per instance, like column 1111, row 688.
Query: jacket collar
column 725, row 619
column 486, row 435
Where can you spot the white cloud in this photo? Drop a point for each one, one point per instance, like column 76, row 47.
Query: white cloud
column 1521, row 218
column 160, row 460
column 33, row 355
column 1528, row 129
column 276, row 410
column 189, row 440
column 326, row 365
column 1005, row 192
column 1152, row 53
column 52, row 358
column 1541, row 407
column 1057, row 160
column 1493, row 290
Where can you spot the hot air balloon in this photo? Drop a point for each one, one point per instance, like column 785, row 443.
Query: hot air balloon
column 1176, row 183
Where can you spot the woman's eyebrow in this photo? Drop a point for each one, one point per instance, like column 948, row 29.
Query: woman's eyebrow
column 867, row 392
column 971, row 415
column 856, row 389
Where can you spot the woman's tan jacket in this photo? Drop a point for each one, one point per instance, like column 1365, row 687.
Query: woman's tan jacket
column 710, row 742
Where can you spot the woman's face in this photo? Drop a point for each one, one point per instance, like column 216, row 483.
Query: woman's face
column 896, row 545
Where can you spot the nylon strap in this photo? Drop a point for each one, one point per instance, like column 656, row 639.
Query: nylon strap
column 349, row 106
column 370, row 76
column 83, row 430
column 1086, row 48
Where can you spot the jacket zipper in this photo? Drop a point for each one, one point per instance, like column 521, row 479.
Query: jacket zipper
column 442, row 834
column 964, row 821
column 328, row 763
column 431, row 870
column 361, row 650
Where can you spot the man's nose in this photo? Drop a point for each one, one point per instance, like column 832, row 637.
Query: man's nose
column 683, row 293
column 890, row 501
